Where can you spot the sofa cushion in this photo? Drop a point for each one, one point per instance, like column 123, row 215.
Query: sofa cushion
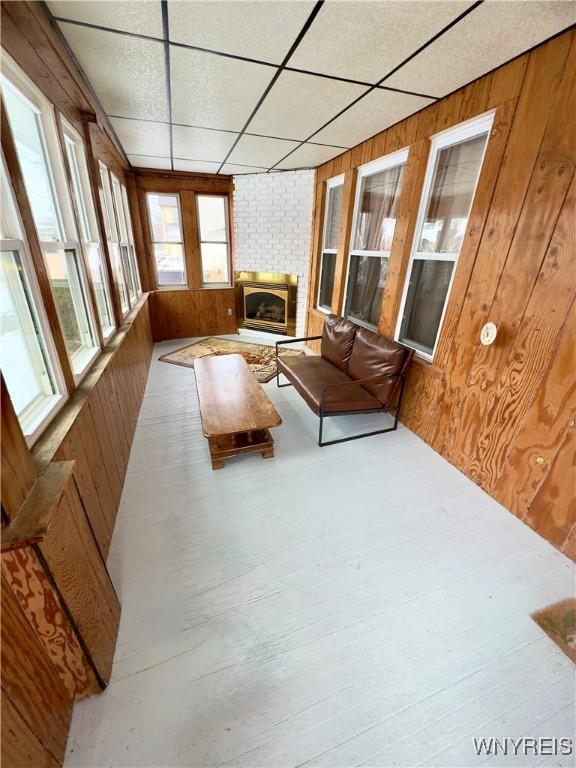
column 337, row 341
column 374, row 355
column 309, row 374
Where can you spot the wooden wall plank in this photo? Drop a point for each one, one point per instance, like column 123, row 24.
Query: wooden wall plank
column 31, row 682
column 21, row 748
column 44, row 611
column 70, row 548
column 18, row 472
column 553, row 511
column 537, row 442
column 183, row 313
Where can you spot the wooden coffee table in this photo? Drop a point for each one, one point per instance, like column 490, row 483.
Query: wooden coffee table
column 236, row 412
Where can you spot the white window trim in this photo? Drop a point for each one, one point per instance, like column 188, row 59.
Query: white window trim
column 462, row 132
column 89, row 204
column 18, row 242
column 335, row 181
column 226, row 199
column 71, row 239
column 369, row 169
column 87, row 357
column 168, row 242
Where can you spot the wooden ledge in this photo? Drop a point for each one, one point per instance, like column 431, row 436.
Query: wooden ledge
column 33, row 519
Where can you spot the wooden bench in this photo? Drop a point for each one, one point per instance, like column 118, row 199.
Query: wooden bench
column 236, row 412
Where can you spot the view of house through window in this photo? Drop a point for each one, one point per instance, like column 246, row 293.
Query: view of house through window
column 167, row 238
column 214, row 241
column 334, row 188
column 379, row 187
column 454, row 168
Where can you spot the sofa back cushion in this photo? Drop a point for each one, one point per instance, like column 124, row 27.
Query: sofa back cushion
column 374, row 355
column 337, row 341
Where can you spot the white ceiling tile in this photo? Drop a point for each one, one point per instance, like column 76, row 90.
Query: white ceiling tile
column 214, row 91
column 492, row 34
column 194, row 143
column 139, row 137
column 127, row 73
column 366, row 40
column 258, row 30
column 372, row 114
column 196, row 166
column 142, row 161
column 260, row 151
column 239, row 170
column 143, row 18
column 299, row 104
column 309, row 156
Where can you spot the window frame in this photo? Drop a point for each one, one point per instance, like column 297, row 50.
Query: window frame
column 86, row 204
column 227, row 242
column 153, row 242
column 332, row 183
column 54, row 160
column 385, row 163
column 113, row 234
column 469, row 129
column 124, row 238
column 16, row 241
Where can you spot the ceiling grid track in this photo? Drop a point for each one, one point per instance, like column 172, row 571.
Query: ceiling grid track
column 308, row 23
column 166, row 32
column 237, row 75
column 382, row 79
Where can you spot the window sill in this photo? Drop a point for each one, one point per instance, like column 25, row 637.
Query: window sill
column 59, row 424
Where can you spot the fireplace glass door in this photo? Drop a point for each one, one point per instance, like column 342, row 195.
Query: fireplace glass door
column 266, row 306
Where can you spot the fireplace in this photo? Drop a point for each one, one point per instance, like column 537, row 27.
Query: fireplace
column 267, row 301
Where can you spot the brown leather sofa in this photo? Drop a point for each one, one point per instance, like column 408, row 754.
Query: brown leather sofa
column 357, row 371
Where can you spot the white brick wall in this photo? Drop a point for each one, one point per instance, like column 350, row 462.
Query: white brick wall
column 273, row 225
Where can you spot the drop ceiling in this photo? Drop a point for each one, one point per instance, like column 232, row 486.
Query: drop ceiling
column 253, row 86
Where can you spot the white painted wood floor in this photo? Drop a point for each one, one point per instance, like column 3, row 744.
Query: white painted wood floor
column 360, row 604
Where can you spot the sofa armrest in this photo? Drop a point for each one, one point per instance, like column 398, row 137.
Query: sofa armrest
column 293, row 341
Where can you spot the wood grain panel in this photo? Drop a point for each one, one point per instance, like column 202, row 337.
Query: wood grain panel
column 44, row 611
column 18, row 473
column 553, row 511
column 21, row 748
column 184, row 313
column 30, row 680
column 70, row 548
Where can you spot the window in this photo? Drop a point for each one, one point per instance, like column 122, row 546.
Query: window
column 33, row 125
column 27, row 357
column 377, row 196
column 125, row 245
column 131, row 246
column 88, row 227
column 113, row 237
column 451, row 178
column 333, row 209
column 214, row 243
column 167, row 239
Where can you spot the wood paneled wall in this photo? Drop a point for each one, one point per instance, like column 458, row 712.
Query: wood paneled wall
column 505, row 415
column 96, row 426
column 184, row 313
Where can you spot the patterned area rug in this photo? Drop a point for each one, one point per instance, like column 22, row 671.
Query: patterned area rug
column 559, row 623
column 260, row 357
